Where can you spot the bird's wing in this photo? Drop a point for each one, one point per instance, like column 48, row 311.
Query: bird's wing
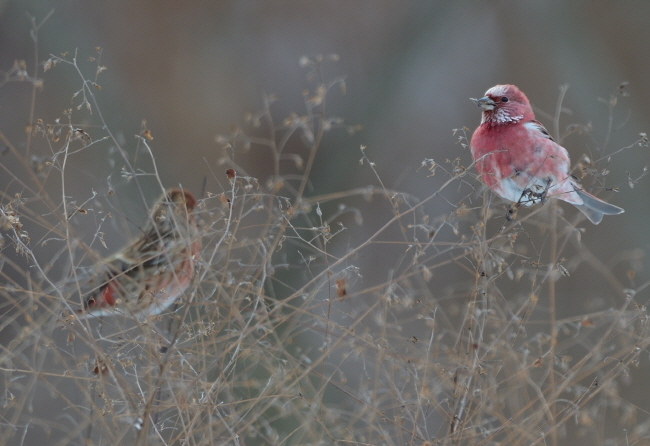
column 149, row 249
column 537, row 127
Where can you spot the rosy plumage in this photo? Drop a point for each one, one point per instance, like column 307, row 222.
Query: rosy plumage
column 517, row 158
column 149, row 274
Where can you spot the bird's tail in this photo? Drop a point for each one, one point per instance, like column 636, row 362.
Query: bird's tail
column 594, row 208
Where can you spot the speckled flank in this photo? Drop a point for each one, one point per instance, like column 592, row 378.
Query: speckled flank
column 534, row 126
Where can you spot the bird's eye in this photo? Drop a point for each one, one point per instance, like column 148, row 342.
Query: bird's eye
column 504, row 99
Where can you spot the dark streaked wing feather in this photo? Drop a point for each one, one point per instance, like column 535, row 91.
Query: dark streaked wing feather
column 540, row 128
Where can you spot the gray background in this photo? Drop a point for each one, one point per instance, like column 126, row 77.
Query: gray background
column 193, row 69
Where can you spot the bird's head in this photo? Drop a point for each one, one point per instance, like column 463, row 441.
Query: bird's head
column 180, row 197
column 504, row 104
column 176, row 205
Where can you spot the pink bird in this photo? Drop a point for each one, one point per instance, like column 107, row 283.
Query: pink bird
column 517, row 158
column 148, row 275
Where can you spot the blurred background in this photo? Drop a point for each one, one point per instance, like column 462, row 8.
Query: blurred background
column 193, row 69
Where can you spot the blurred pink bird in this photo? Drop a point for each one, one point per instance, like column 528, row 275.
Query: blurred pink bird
column 517, row 158
column 149, row 274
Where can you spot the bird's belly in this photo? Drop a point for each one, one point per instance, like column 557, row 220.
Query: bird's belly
column 167, row 291
column 525, row 190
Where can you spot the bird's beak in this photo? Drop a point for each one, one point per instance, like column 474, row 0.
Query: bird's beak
column 485, row 103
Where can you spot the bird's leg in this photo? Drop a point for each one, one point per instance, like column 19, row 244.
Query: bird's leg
column 528, row 195
column 537, row 196
column 544, row 195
